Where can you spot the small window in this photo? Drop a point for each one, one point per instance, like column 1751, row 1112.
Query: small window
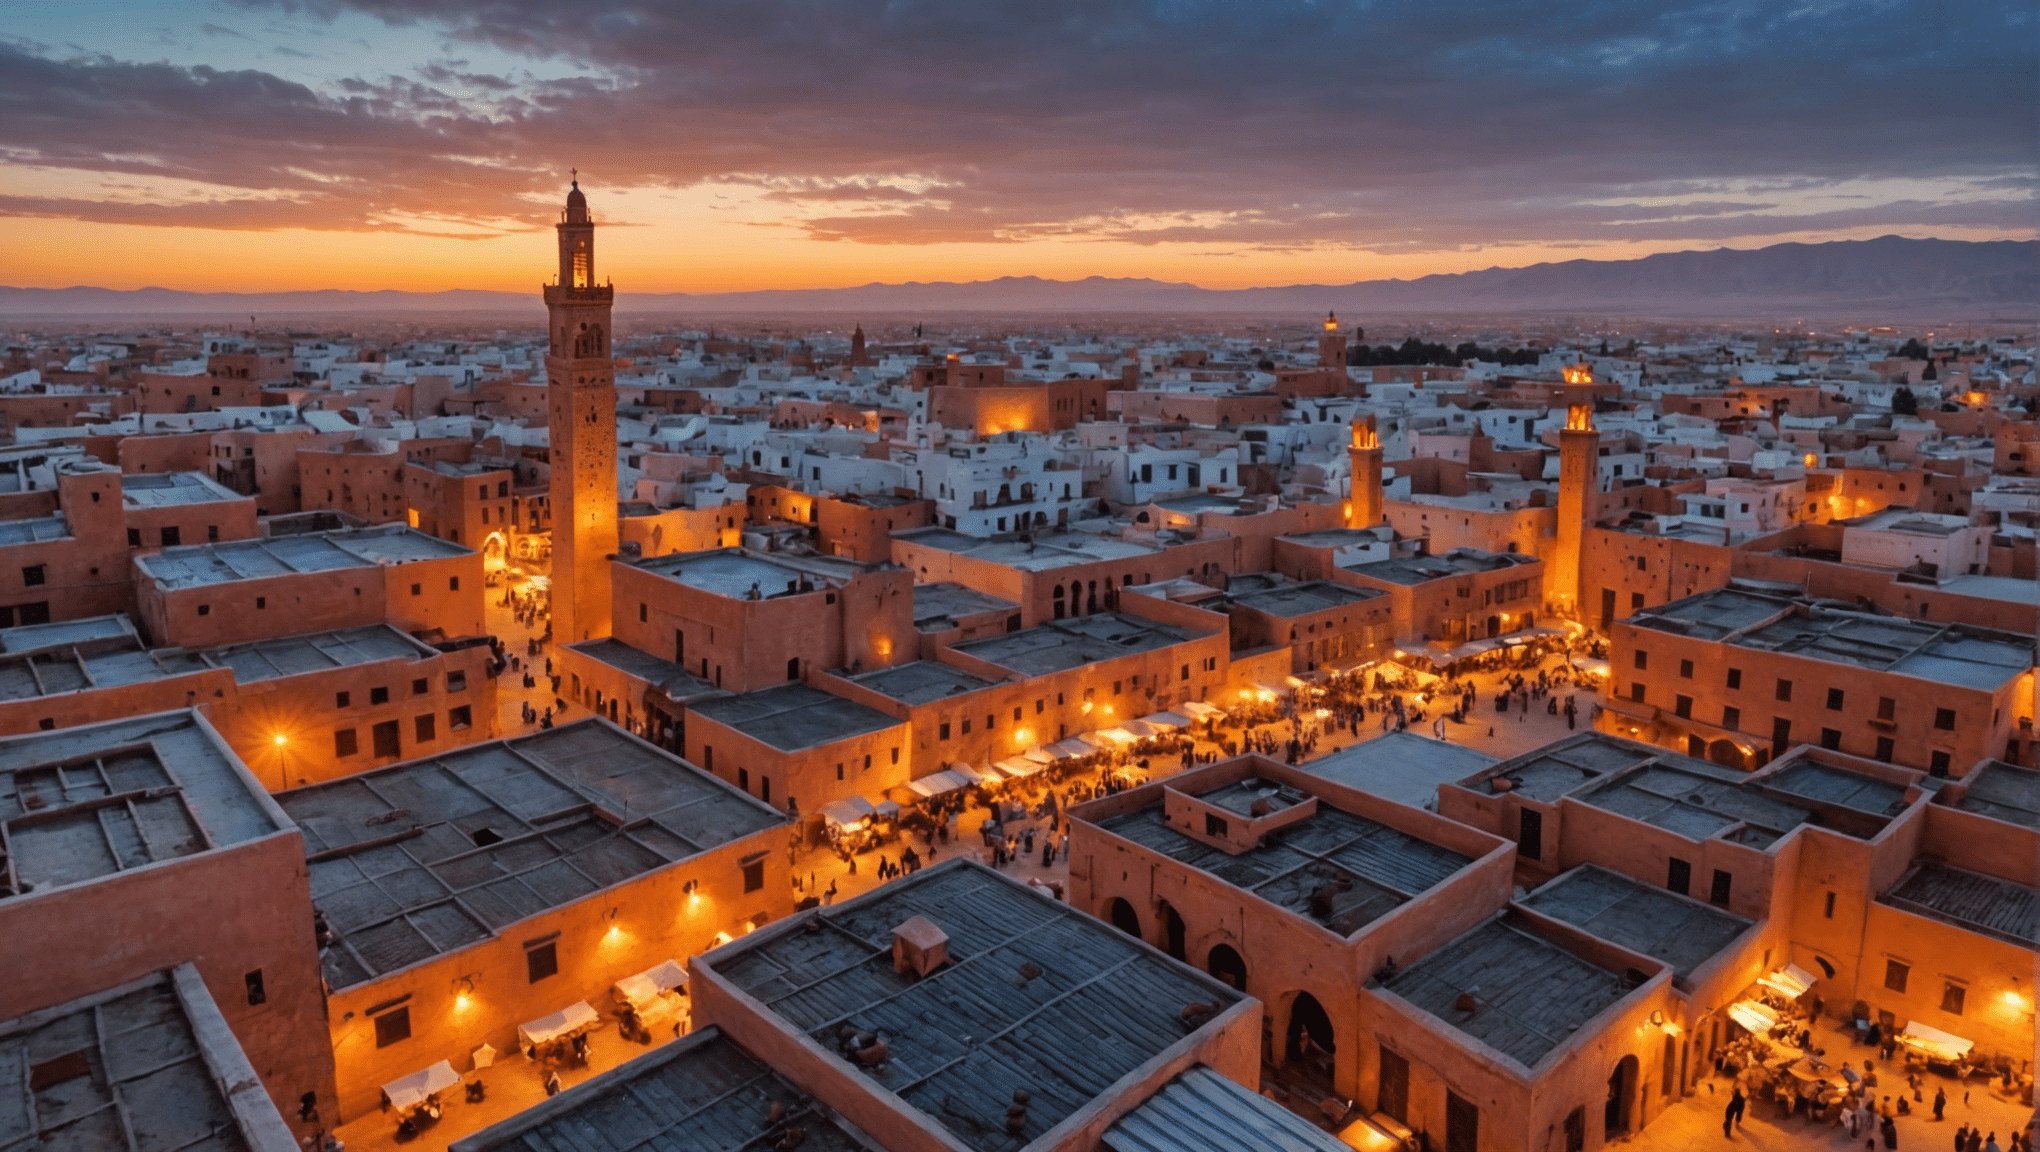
column 417, row 589
column 342, row 699
column 421, row 686
column 1685, row 669
column 1937, row 764
column 1642, row 659
column 460, row 719
column 344, row 743
column 453, row 582
column 426, row 727
column 1678, row 875
column 261, row 602
column 1944, row 719
column 205, row 609
column 212, row 532
column 171, row 536
column 1731, row 718
column 944, row 732
column 393, row 1026
column 754, row 874
column 379, row 695
column 456, row 681
column 388, row 739
column 1719, row 893
column 1636, row 691
column 541, row 961
column 1952, row 996
column 1830, row 910
column 1682, row 706
column 1895, row 975
column 134, row 535
column 1885, row 748
column 1735, row 677
column 1214, row 824
column 1887, row 708
column 1784, row 689
column 643, row 612
column 256, row 993
column 1834, row 700
column 1831, row 739
column 32, row 574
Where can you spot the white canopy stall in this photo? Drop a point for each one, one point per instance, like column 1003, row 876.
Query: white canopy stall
column 1934, row 1044
column 655, row 993
column 575, row 1017
column 1753, row 1015
column 407, row 1092
column 1791, row 980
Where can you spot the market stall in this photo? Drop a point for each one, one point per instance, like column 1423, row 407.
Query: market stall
column 1791, row 981
column 847, row 815
column 1934, row 1045
column 1199, row 711
column 570, row 1021
column 1759, row 1018
column 408, row 1092
column 655, row 995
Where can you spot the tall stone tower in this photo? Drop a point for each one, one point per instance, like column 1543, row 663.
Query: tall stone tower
column 580, row 397
column 1331, row 344
column 1364, row 507
column 1579, row 450
column 858, row 358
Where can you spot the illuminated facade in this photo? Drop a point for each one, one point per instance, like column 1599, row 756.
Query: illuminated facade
column 581, row 421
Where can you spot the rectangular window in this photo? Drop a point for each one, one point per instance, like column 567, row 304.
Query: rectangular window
column 32, row 574
column 1731, row 718
column 342, row 699
column 1952, row 996
column 744, row 779
column 1781, row 735
column 460, row 718
column 1641, row 659
column 1462, row 1124
column 1831, row 739
column 1937, row 764
column 1884, row 748
column 171, row 536
column 1834, row 700
column 134, row 537
column 420, row 686
column 1682, row 706
column 1830, row 911
column 1394, row 1097
column 344, row 743
column 393, row 1026
column 1895, row 975
column 387, row 739
column 1887, row 708
column 417, row 589
column 426, row 727
column 1719, row 892
column 1636, row 691
column 1944, row 719
column 456, row 681
column 541, row 961
column 754, row 874
column 379, row 695
column 1214, row 825
column 1784, row 689
column 1685, row 669
column 1735, row 677
column 256, row 993
column 1679, row 876
column 943, row 733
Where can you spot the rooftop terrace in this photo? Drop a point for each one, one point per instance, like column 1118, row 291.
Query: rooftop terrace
column 35, row 530
column 173, row 489
column 1400, row 766
column 429, row 856
column 1414, row 570
column 676, row 682
column 119, row 659
column 702, row 1093
column 1341, row 870
column 920, row 682
column 1289, row 600
column 1044, row 553
column 1059, row 645
column 734, row 573
column 2004, row 792
column 1527, row 994
column 1971, row 900
column 207, row 564
column 1036, row 995
column 793, row 716
column 78, row 804
column 1640, row 917
column 936, row 606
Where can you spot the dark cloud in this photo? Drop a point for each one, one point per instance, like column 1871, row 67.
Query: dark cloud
column 1392, row 126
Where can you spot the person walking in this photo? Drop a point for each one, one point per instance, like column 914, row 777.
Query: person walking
column 1732, row 1116
column 1940, row 1103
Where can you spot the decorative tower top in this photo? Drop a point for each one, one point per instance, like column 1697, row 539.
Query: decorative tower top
column 577, row 242
column 1579, row 412
column 1364, row 434
column 1331, row 321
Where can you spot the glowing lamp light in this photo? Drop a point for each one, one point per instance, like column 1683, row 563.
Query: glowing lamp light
column 1811, row 459
column 279, row 739
column 1577, row 374
column 2014, row 999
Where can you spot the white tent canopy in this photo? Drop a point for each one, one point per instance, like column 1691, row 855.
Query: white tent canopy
column 409, row 1091
column 573, row 1018
column 647, row 985
column 1792, row 980
column 1019, row 766
column 938, row 783
column 848, row 812
column 1934, row 1042
column 1166, row 721
column 1199, row 710
column 1754, row 1016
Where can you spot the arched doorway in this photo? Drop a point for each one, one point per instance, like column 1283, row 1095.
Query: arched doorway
column 1123, row 917
column 1727, row 754
column 1226, row 964
column 1310, row 1040
column 493, row 550
column 1173, row 931
column 1494, row 626
column 1621, row 1095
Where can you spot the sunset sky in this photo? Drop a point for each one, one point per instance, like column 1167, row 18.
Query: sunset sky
column 257, row 145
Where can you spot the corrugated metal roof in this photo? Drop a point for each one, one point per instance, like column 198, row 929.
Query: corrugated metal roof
column 1201, row 1111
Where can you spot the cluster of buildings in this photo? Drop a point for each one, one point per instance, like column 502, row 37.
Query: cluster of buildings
column 263, row 816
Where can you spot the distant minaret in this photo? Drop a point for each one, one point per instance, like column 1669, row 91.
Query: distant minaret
column 1331, row 344
column 580, row 398
column 1364, row 507
column 1579, row 450
column 857, row 359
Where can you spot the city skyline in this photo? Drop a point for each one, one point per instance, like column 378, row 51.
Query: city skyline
column 374, row 144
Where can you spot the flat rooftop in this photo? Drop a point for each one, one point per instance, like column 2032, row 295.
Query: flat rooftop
column 130, row 1070
column 430, row 856
column 36, row 530
column 676, row 682
column 1400, row 766
column 1046, row 552
column 1202, row 1111
column 1682, row 933
column 1971, row 900
column 173, row 489
column 1059, row 645
column 1696, row 800
column 1036, row 995
column 1948, row 654
column 793, row 716
column 1414, row 570
column 1805, row 778
column 937, row 606
column 1366, row 868
column 1528, row 995
column 1547, row 773
column 206, row 564
column 2006, row 588
column 733, row 572
column 921, row 682
column 702, row 1093
column 68, row 633
column 181, row 793
column 2004, row 792
column 1289, row 600
column 1334, row 537
column 112, row 663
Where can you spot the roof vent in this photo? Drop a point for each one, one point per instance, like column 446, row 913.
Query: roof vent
column 919, row 947
column 1467, row 1003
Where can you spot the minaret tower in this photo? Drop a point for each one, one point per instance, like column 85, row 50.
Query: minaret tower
column 1363, row 509
column 1331, row 344
column 1579, row 450
column 580, row 397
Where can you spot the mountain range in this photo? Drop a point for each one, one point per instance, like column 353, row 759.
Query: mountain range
column 1889, row 277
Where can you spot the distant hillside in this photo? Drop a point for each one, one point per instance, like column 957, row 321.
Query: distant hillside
column 1889, row 275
